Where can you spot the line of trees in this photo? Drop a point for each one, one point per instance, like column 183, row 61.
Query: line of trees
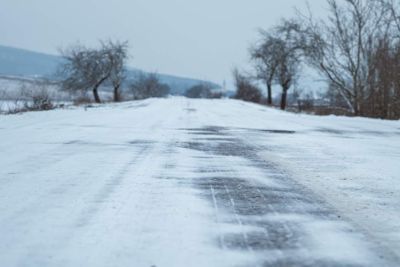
column 85, row 70
column 356, row 48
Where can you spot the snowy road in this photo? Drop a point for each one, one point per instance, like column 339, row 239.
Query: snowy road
column 177, row 182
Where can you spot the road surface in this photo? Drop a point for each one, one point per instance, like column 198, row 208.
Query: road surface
column 174, row 182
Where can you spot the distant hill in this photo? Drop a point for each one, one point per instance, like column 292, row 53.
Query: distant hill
column 19, row 62
column 29, row 64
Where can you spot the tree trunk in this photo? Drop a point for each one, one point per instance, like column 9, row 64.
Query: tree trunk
column 95, row 90
column 117, row 96
column 284, row 99
column 356, row 107
column 96, row 95
column 269, row 86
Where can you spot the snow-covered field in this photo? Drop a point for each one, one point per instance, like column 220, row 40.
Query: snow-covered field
column 179, row 182
column 16, row 87
column 16, row 92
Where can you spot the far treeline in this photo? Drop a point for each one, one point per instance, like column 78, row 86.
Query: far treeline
column 356, row 48
column 85, row 70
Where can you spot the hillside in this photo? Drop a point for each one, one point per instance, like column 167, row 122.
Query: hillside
column 19, row 62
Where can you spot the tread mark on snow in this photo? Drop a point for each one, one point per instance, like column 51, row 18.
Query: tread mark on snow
column 238, row 220
column 220, row 237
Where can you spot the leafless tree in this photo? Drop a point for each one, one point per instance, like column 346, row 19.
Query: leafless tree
column 281, row 55
column 288, row 53
column 266, row 61
column 117, row 53
column 384, row 85
column 392, row 8
column 341, row 47
column 277, row 57
column 85, row 69
column 88, row 68
column 356, row 48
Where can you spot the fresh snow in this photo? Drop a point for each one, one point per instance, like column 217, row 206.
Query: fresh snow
column 179, row 182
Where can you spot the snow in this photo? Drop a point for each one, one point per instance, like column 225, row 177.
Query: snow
column 179, row 182
column 17, row 92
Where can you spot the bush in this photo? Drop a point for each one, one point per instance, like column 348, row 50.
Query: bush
column 199, row 91
column 32, row 97
column 147, row 86
column 245, row 89
column 40, row 100
column 217, row 95
column 82, row 100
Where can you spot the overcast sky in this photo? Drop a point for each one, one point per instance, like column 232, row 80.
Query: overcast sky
column 195, row 38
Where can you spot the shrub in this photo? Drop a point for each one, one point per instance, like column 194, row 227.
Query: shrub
column 147, row 86
column 245, row 89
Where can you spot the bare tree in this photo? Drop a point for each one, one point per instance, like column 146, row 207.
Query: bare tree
column 84, row 69
column 87, row 69
column 277, row 57
column 288, row 52
column 357, row 50
column 117, row 53
column 392, row 8
column 286, row 73
column 341, row 47
column 266, row 61
column 384, row 90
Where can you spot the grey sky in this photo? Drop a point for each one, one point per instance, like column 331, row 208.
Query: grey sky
column 194, row 38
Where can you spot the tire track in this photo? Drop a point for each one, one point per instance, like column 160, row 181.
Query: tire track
column 271, row 220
